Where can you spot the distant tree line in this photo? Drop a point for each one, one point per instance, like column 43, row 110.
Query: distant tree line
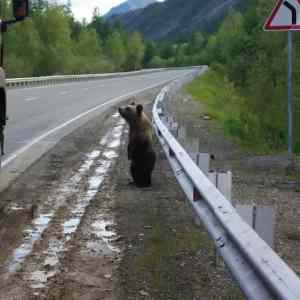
column 51, row 42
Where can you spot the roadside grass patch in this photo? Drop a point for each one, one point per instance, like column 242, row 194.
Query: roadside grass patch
column 167, row 252
column 234, row 294
column 225, row 103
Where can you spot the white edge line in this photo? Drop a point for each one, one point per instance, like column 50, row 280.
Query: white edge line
column 43, row 136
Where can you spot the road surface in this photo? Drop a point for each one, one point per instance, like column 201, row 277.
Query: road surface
column 40, row 116
column 35, row 111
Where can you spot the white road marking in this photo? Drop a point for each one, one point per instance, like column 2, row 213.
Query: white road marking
column 34, row 232
column 31, row 99
column 48, row 133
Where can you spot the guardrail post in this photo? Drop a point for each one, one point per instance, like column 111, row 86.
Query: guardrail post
column 203, row 162
column 174, row 129
column 224, row 184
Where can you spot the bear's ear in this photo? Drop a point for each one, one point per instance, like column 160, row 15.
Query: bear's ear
column 139, row 108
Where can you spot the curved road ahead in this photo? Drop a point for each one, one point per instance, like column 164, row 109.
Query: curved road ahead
column 44, row 114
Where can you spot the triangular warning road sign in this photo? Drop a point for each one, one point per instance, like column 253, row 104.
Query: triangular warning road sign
column 285, row 16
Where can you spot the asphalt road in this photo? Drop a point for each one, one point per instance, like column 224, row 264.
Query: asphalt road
column 35, row 114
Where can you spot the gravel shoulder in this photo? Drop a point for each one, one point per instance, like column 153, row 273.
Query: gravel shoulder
column 166, row 255
column 124, row 243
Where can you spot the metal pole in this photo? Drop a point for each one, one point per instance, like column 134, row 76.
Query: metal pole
column 290, row 95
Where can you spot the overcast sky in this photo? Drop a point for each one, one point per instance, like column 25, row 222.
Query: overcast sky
column 84, row 8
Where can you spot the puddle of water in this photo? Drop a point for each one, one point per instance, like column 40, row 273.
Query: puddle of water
column 40, row 278
column 70, row 226
column 102, row 168
column 105, row 139
column 41, row 223
column 110, row 154
column 16, row 207
column 102, row 229
column 119, row 128
column 95, row 181
column 114, row 144
column 94, row 154
column 32, row 235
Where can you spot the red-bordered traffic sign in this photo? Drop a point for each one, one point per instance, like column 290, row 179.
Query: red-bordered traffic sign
column 285, row 16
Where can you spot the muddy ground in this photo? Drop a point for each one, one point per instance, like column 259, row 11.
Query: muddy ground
column 72, row 228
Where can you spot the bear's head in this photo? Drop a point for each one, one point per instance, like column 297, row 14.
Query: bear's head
column 132, row 113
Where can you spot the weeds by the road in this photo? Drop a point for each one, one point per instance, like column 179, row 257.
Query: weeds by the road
column 238, row 115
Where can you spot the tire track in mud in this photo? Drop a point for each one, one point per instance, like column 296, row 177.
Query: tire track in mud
column 41, row 255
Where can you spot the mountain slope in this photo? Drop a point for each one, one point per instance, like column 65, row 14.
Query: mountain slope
column 128, row 6
column 177, row 18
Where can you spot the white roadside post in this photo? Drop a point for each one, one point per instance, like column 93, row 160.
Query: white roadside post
column 286, row 17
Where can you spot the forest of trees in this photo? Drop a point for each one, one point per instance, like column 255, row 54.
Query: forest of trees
column 51, row 42
column 245, row 88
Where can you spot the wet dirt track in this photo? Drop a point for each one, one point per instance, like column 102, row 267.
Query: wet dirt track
column 35, row 250
column 72, row 228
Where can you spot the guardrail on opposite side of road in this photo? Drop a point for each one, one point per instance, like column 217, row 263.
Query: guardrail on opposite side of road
column 50, row 80
column 259, row 271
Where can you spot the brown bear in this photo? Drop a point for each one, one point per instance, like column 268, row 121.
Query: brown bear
column 140, row 148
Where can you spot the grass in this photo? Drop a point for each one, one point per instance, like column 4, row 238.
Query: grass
column 234, row 294
column 161, row 257
column 254, row 131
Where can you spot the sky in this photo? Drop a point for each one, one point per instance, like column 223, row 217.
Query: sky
column 84, row 8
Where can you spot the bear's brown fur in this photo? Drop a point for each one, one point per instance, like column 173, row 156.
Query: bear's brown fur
column 140, row 148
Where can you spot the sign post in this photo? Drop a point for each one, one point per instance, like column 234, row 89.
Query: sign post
column 286, row 17
column 290, row 94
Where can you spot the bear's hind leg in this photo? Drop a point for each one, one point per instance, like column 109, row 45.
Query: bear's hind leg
column 141, row 177
column 133, row 173
column 144, row 180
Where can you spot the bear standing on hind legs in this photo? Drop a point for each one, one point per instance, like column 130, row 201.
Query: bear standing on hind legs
column 140, row 148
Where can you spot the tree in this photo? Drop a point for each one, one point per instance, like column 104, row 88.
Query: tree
column 55, row 33
column 103, row 28
column 150, row 53
column 196, row 44
column 88, row 54
column 23, row 49
column 115, row 49
column 135, row 52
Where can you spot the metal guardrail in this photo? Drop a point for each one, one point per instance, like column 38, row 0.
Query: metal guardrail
column 259, row 271
column 50, row 80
